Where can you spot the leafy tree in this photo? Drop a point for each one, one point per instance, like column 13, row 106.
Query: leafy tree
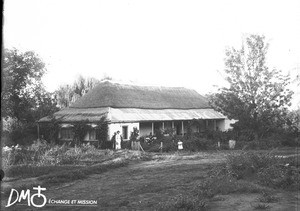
column 22, row 74
column 257, row 96
column 24, row 99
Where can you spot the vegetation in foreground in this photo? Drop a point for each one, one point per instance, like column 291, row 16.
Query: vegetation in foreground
column 52, row 164
column 243, row 173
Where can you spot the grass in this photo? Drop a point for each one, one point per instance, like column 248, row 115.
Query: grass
column 181, row 202
column 224, row 185
column 245, row 172
column 27, row 171
column 75, row 174
column 267, row 197
column 179, row 181
column 69, row 175
column 260, row 206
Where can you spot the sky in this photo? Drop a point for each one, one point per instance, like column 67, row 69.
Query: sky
column 149, row 42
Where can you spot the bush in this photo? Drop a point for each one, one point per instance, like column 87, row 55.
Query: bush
column 196, row 144
column 126, row 144
column 246, row 164
column 225, row 184
column 106, row 145
column 169, row 144
column 267, row 169
column 279, row 176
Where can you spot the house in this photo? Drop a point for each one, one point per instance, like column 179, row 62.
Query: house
column 146, row 108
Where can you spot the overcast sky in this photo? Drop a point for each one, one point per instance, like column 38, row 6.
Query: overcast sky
column 167, row 43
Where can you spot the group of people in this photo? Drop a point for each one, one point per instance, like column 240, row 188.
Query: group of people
column 117, row 140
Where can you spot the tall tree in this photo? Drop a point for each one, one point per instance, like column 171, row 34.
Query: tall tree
column 22, row 73
column 23, row 97
column 257, row 96
column 67, row 94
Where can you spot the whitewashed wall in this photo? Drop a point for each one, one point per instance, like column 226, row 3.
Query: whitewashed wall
column 114, row 127
column 224, row 125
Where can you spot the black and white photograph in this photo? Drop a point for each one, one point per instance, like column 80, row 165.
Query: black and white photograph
column 150, row 105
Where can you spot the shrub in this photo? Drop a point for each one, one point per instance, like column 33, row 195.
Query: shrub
column 169, row 144
column 126, row 144
column 267, row 169
column 134, row 134
column 279, row 176
column 196, row 144
column 106, row 145
column 246, row 164
column 102, row 130
column 225, row 184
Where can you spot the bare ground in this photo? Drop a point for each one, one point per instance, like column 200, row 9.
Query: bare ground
column 144, row 184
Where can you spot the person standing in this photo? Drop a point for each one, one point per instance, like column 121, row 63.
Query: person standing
column 118, row 139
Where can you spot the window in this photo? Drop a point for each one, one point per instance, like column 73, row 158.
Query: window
column 92, row 135
column 66, row 134
column 125, row 132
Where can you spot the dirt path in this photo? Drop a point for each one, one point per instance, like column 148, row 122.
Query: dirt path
column 144, row 184
column 139, row 186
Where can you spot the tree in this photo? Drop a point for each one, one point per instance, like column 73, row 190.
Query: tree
column 67, row 94
column 24, row 99
column 257, row 96
column 22, row 74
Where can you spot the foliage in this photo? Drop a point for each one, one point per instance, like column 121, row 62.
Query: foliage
column 41, row 153
column 170, row 132
column 80, row 129
column 257, row 96
column 102, row 131
column 22, row 74
column 247, row 164
column 67, row 94
column 24, row 99
column 49, row 131
column 267, row 169
column 134, row 134
column 197, row 142
column 169, row 144
column 280, row 176
column 225, row 184
column 126, row 144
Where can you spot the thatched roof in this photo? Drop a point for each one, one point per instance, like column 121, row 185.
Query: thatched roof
column 115, row 95
column 121, row 103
